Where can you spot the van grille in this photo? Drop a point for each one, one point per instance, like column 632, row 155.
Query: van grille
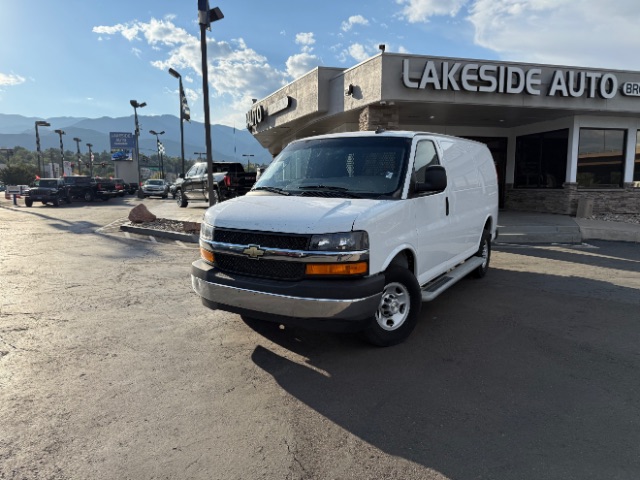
column 276, row 269
column 260, row 268
column 270, row 240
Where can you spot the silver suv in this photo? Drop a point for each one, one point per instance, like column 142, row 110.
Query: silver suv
column 155, row 187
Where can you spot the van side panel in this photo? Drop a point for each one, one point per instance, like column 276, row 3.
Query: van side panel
column 465, row 191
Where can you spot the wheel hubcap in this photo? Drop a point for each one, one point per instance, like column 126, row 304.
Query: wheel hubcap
column 394, row 307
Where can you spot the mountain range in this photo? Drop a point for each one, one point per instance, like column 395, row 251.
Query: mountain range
column 228, row 143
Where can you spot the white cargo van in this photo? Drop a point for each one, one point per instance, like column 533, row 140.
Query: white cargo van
column 352, row 232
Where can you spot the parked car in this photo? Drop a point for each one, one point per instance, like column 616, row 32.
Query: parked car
column 48, row 190
column 120, row 186
column 155, row 188
column 88, row 189
column 229, row 181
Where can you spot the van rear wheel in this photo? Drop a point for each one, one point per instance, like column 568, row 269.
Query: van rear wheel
column 398, row 311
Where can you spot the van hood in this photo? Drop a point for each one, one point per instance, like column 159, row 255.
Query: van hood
column 290, row 214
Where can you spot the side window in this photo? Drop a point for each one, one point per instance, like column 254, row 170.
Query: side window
column 425, row 156
column 192, row 171
column 201, row 170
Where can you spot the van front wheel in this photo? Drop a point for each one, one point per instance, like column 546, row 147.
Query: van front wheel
column 485, row 253
column 398, row 310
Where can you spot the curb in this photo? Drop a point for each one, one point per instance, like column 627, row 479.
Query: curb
column 183, row 237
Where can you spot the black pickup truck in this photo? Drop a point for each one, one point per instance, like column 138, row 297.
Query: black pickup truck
column 229, row 180
column 88, row 188
column 237, row 181
column 48, row 190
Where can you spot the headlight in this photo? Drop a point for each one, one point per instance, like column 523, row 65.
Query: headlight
column 206, row 232
column 340, row 242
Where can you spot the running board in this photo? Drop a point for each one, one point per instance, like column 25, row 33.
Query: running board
column 434, row 288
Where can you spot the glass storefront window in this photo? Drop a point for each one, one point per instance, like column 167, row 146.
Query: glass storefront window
column 541, row 159
column 601, row 158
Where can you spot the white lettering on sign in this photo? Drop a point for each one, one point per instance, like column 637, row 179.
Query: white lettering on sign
column 255, row 116
column 510, row 79
column 258, row 114
column 631, row 89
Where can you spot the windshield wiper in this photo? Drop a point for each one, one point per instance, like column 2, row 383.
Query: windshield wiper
column 273, row 190
column 331, row 188
column 323, row 187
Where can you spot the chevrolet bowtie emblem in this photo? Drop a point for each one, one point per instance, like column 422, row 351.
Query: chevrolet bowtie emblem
column 253, row 251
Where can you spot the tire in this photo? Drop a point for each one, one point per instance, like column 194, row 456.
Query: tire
column 88, row 196
column 28, row 202
column 216, row 197
column 181, row 200
column 397, row 314
column 484, row 251
column 56, row 202
column 164, row 196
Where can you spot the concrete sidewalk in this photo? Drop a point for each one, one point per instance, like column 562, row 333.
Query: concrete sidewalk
column 529, row 227
column 514, row 227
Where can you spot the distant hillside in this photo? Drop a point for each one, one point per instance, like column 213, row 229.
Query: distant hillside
column 228, row 144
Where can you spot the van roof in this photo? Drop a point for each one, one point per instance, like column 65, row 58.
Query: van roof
column 383, row 133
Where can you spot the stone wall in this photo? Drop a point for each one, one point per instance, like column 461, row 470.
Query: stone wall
column 374, row 116
column 565, row 200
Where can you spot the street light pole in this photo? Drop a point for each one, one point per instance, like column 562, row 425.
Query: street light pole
column 40, row 123
column 175, row 74
column 61, row 132
column 248, row 155
column 160, row 159
column 136, row 105
column 90, row 160
column 77, row 140
column 199, row 155
column 205, row 17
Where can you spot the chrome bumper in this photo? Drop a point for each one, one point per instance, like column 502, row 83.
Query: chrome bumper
column 350, row 309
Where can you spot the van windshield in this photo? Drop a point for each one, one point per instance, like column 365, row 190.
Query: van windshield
column 350, row 167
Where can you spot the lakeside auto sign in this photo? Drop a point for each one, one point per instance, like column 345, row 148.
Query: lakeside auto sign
column 511, row 79
column 258, row 114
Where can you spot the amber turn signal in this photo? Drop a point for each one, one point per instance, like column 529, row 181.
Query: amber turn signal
column 359, row 268
column 206, row 255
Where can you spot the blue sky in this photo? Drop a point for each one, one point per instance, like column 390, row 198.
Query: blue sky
column 88, row 58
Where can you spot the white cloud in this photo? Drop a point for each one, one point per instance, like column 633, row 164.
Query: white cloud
column 236, row 72
column 136, row 52
column 556, row 32
column 358, row 52
column 301, row 63
column 305, row 39
column 415, row 11
column 10, row 79
column 354, row 20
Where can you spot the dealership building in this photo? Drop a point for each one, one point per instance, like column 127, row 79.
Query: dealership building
column 561, row 136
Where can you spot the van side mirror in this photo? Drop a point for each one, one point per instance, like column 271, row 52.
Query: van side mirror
column 435, row 180
column 181, row 176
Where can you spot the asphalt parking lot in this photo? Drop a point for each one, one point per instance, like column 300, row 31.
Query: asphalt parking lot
column 110, row 368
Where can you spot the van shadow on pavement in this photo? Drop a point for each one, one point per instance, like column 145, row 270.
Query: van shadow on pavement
column 501, row 385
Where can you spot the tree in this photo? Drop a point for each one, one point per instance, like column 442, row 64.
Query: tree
column 18, row 174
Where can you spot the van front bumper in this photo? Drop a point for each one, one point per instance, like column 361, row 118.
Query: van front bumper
column 333, row 304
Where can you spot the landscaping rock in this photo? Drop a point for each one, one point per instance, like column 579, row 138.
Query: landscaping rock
column 141, row 214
